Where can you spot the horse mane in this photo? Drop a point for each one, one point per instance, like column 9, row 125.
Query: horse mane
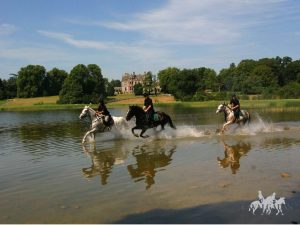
column 90, row 108
column 137, row 107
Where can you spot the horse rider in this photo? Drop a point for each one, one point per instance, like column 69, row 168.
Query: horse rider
column 102, row 111
column 235, row 106
column 148, row 108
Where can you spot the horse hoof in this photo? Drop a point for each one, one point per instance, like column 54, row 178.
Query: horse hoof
column 136, row 135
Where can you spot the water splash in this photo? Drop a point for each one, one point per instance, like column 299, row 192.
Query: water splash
column 259, row 125
column 256, row 127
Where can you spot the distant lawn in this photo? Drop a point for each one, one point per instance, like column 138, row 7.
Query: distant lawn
column 39, row 103
column 49, row 103
column 2, row 102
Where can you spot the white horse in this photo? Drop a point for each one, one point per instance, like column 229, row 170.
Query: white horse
column 268, row 204
column 97, row 123
column 230, row 118
column 258, row 203
column 254, row 206
column 278, row 204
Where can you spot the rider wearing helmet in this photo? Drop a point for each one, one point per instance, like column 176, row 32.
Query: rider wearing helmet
column 148, row 108
column 235, row 106
column 102, row 111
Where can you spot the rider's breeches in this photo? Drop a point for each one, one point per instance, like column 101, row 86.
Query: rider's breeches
column 106, row 119
column 236, row 113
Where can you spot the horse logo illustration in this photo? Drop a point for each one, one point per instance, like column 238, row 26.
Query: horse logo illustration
column 267, row 204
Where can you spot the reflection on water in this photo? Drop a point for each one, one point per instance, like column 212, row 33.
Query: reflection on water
column 42, row 131
column 150, row 158
column 232, row 155
column 102, row 161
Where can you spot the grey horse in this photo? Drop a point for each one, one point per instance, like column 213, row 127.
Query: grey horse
column 97, row 123
column 229, row 116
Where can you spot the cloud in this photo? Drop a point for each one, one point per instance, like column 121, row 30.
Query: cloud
column 135, row 51
column 7, row 29
column 197, row 22
column 77, row 43
column 35, row 54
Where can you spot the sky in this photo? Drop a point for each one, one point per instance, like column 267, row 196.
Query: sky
column 126, row 36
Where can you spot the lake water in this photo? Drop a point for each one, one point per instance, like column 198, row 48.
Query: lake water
column 188, row 175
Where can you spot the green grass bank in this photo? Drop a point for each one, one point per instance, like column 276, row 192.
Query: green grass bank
column 49, row 103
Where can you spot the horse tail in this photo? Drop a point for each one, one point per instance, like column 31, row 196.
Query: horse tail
column 170, row 121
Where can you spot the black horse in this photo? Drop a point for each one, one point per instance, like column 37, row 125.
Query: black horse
column 142, row 123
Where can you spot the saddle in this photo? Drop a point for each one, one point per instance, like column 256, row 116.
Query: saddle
column 240, row 116
column 108, row 123
column 151, row 119
column 155, row 117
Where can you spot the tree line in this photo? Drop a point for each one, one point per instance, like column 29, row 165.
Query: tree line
column 84, row 84
column 266, row 77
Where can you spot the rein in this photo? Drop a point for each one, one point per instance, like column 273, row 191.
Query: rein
column 226, row 113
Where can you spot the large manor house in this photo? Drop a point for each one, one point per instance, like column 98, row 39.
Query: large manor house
column 129, row 80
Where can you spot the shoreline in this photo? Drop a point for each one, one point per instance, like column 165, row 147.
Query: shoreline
column 49, row 103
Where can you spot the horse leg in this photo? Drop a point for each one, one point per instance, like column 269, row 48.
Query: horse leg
column 254, row 209
column 141, row 134
column 132, row 130
column 224, row 126
column 88, row 133
column 84, row 137
column 277, row 209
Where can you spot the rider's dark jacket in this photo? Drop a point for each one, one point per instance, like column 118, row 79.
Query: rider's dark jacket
column 102, row 108
column 235, row 102
column 150, row 112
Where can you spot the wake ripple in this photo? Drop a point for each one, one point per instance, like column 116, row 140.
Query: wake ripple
column 256, row 127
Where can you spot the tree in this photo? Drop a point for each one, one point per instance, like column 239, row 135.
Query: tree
column 186, row 83
column 2, row 90
column 54, row 81
column 260, row 78
column 30, row 81
column 291, row 72
column 242, row 73
column 85, row 84
column 165, row 76
column 96, row 87
column 11, row 87
column 138, row 89
column 109, row 88
column 148, row 82
column 210, row 79
column 291, row 90
column 225, row 78
column 116, row 83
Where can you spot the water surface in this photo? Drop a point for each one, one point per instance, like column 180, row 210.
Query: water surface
column 188, row 175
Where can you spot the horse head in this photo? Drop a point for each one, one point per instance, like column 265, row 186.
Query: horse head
column 221, row 108
column 130, row 113
column 84, row 112
column 134, row 110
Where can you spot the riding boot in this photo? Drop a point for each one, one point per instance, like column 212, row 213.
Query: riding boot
column 106, row 125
